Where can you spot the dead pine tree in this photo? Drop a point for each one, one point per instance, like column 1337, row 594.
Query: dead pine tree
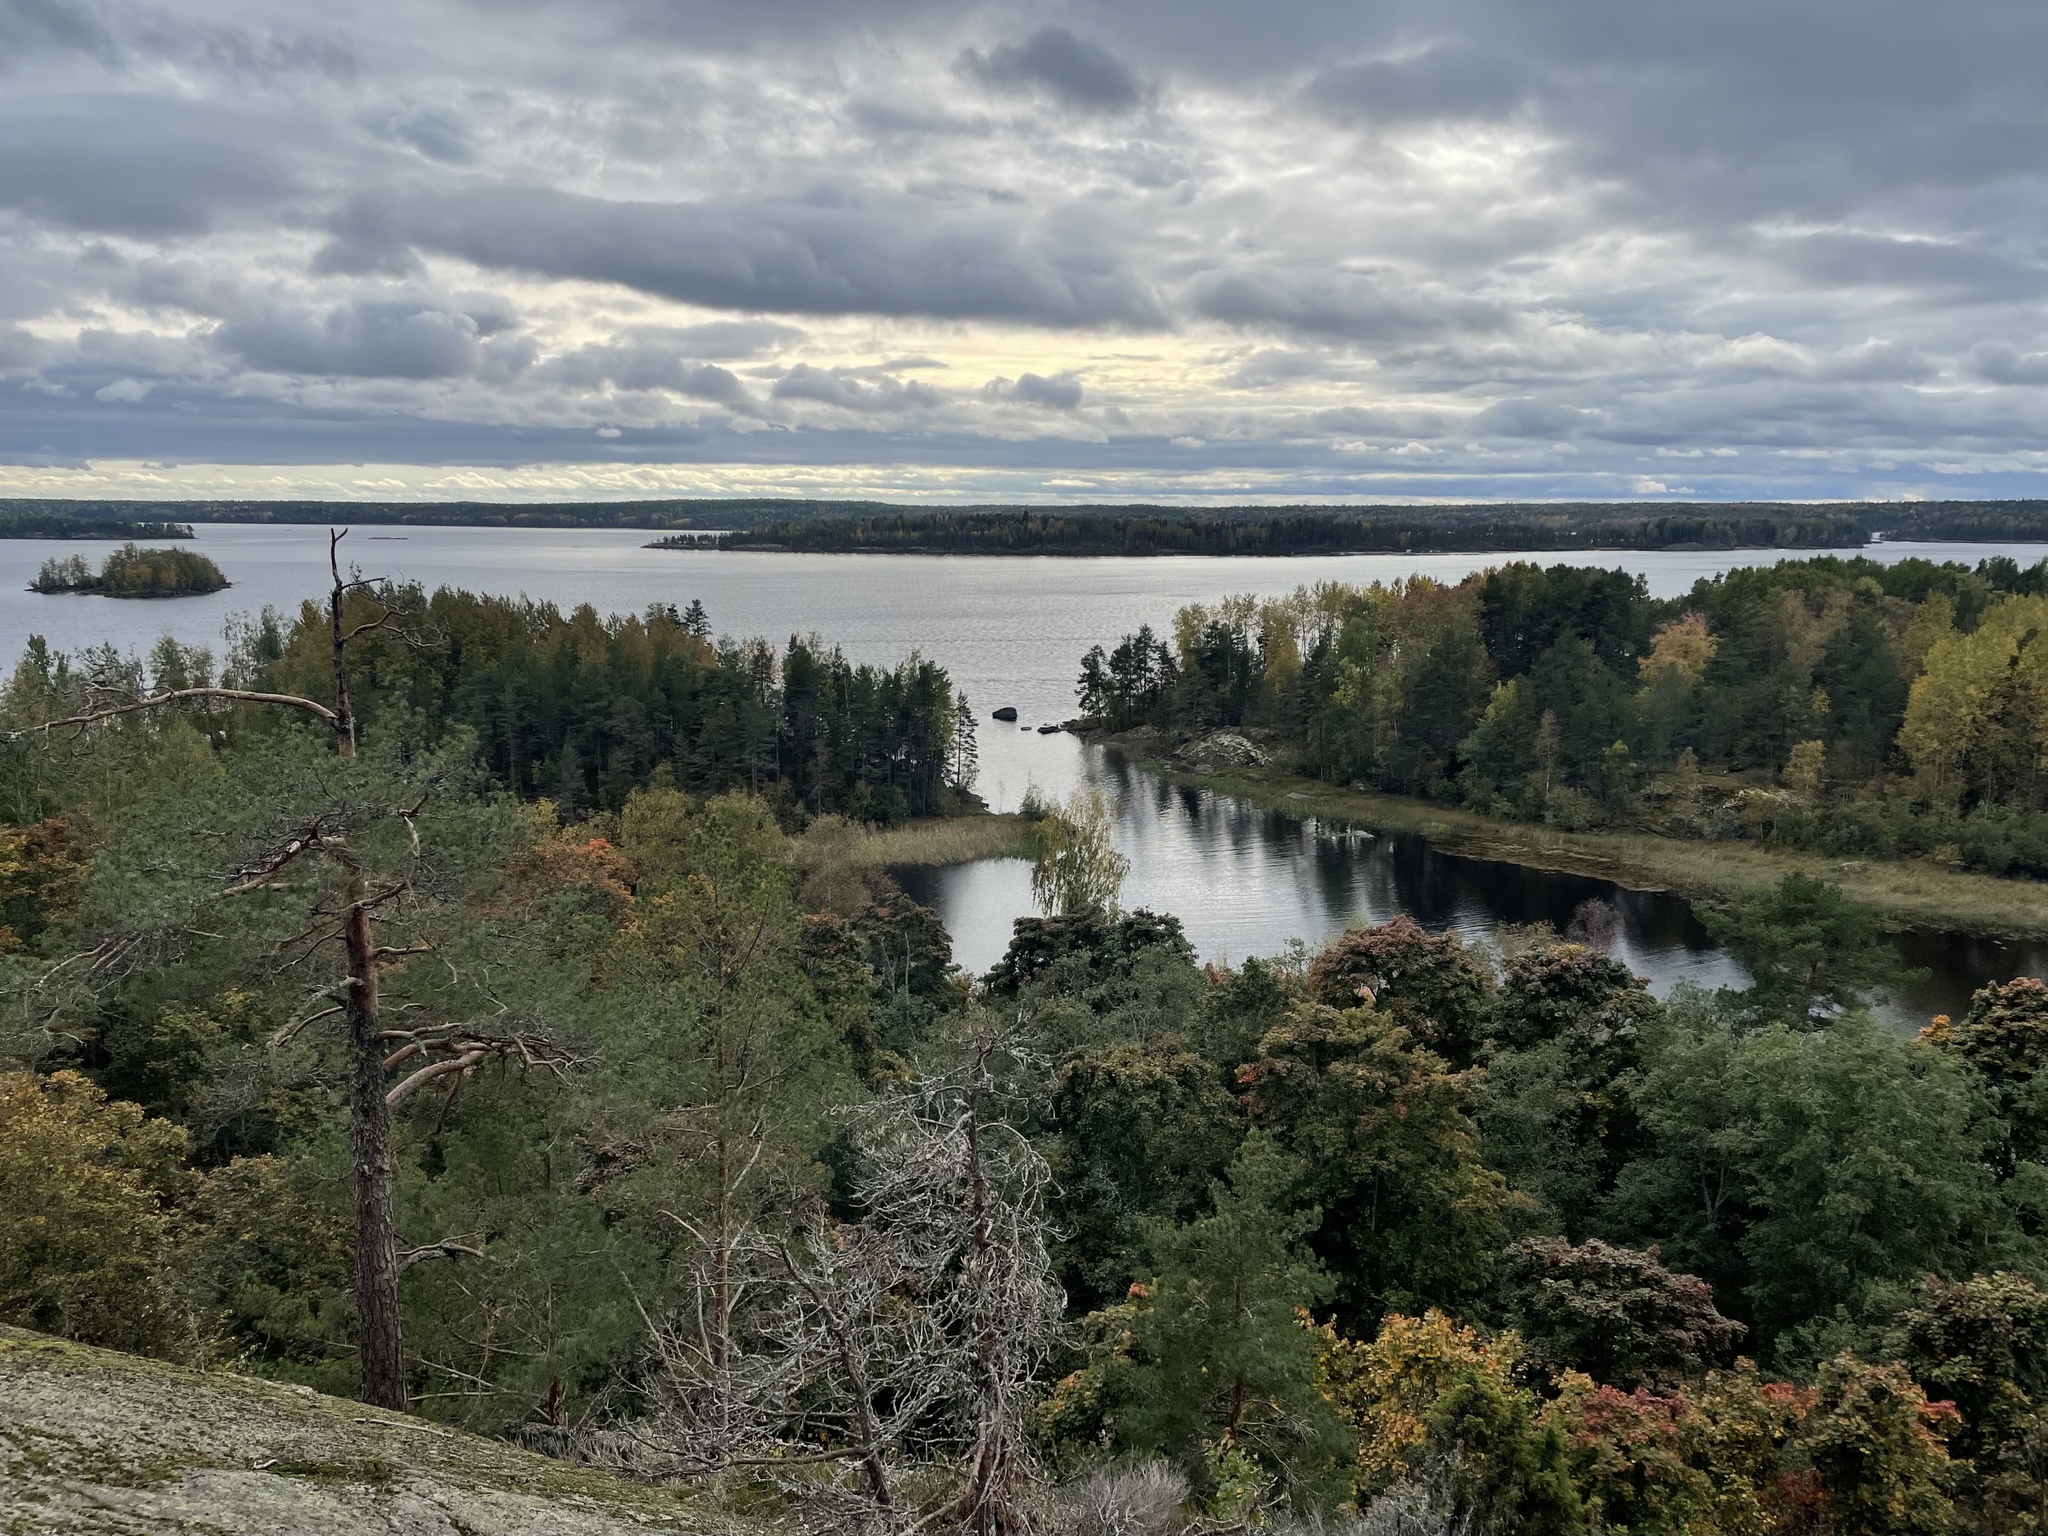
column 958, row 1193
column 348, row 917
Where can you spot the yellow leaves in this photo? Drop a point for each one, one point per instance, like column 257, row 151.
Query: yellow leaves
column 1806, row 767
column 1385, row 1388
column 1679, row 651
column 1991, row 680
column 1932, row 621
column 82, row 1227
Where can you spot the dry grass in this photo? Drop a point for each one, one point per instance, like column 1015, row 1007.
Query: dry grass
column 831, row 841
column 1909, row 893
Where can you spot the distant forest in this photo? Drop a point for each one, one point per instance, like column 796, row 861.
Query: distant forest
column 1301, row 533
column 1105, row 529
column 67, row 525
column 1328, row 530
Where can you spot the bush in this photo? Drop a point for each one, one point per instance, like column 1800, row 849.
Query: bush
column 84, row 1190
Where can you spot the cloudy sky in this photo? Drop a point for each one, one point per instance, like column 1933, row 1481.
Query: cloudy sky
column 1174, row 249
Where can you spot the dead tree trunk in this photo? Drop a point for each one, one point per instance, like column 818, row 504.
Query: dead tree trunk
column 380, row 1339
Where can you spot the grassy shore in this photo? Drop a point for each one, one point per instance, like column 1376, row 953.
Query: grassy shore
column 945, row 840
column 1909, row 893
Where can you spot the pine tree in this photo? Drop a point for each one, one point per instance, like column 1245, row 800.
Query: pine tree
column 1228, row 1358
column 966, row 754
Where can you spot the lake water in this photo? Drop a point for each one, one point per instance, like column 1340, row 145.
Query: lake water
column 1011, row 631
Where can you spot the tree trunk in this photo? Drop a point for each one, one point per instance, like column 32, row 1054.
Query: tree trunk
column 344, row 707
column 377, row 1317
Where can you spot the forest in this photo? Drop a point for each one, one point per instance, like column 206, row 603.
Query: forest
column 1313, row 531
column 1831, row 704
column 56, row 520
column 461, row 1005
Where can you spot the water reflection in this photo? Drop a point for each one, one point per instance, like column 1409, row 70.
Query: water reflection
column 1248, row 881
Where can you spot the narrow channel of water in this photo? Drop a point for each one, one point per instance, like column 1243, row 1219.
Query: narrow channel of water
column 1248, row 881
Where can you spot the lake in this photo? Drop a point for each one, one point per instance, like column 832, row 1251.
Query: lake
column 1012, row 630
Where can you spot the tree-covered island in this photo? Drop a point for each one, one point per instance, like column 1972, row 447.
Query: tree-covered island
column 131, row 571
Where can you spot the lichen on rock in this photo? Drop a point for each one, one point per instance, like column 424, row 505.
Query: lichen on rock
column 96, row 1441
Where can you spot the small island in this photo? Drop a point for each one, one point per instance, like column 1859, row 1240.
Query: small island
column 131, row 571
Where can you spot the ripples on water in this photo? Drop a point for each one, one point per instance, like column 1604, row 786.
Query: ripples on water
column 1011, row 631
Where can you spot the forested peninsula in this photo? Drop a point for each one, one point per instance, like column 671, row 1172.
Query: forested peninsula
column 57, row 522
column 1327, row 530
column 1832, row 706
column 494, row 1013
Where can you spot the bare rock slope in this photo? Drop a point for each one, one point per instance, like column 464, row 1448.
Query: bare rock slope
column 94, row 1441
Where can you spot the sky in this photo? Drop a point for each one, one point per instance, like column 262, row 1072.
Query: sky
column 1169, row 250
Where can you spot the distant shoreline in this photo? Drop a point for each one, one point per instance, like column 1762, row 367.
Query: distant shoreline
column 775, row 525
column 1528, row 529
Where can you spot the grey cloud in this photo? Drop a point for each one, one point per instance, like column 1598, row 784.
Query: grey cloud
column 20, row 349
column 1525, row 417
column 1998, row 364
column 434, row 134
column 1878, row 360
column 1961, row 269
column 863, row 390
column 51, row 26
column 1360, row 421
column 1059, row 392
column 1052, row 60
column 393, row 339
column 823, row 256
column 134, row 165
column 1356, row 306
column 1450, row 81
column 648, row 357
column 235, row 51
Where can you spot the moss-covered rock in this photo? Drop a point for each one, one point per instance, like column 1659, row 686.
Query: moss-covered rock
column 95, row 1441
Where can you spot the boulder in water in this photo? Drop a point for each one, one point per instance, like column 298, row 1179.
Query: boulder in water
column 1007, row 712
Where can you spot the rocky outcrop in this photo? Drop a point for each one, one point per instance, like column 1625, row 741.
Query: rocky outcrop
column 1219, row 750
column 94, row 1441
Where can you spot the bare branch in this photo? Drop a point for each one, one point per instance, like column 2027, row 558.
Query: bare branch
column 447, row 1248
column 428, row 1073
column 177, row 696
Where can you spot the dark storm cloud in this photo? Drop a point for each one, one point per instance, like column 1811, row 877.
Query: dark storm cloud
column 134, row 165
column 822, row 256
column 1055, row 62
